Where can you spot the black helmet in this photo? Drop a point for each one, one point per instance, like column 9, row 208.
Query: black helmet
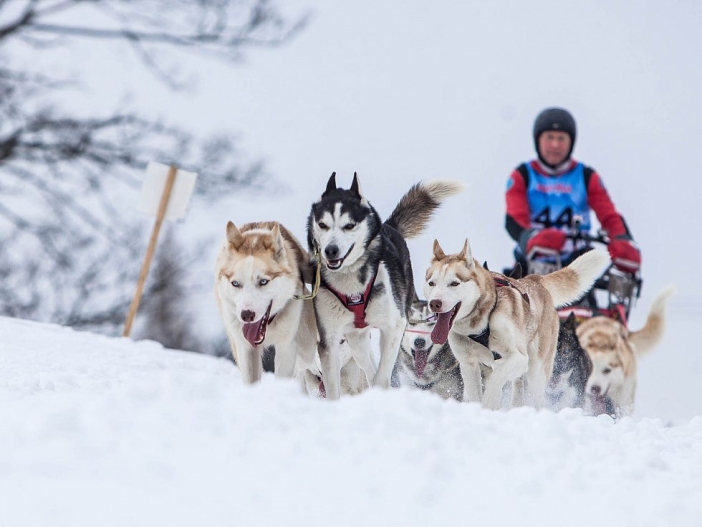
column 554, row 119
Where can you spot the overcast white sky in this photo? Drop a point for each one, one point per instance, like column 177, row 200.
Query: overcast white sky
column 402, row 91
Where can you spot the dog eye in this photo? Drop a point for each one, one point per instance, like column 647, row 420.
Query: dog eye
column 263, row 281
column 349, row 226
column 607, row 370
column 323, row 226
column 454, row 284
column 431, row 283
column 236, row 283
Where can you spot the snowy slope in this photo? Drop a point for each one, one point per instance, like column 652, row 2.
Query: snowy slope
column 105, row 431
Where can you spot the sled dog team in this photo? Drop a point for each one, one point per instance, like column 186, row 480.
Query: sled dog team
column 479, row 336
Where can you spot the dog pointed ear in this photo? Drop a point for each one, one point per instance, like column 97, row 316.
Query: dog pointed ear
column 356, row 188
column 331, row 184
column 278, row 243
column 439, row 253
column 234, row 236
column 485, row 266
column 570, row 322
column 517, row 272
column 466, row 254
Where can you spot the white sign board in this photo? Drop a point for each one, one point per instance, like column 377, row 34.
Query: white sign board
column 154, row 184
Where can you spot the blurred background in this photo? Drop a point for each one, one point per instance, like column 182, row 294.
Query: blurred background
column 265, row 99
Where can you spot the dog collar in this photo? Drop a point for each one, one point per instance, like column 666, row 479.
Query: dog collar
column 356, row 303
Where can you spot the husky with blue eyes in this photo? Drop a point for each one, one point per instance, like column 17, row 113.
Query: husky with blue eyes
column 260, row 278
column 366, row 274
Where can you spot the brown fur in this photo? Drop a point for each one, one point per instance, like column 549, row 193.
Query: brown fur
column 266, row 249
column 610, row 346
column 521, row 317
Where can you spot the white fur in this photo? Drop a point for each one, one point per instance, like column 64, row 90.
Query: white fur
column 293, row 331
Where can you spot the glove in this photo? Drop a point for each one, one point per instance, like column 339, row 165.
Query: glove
column 625, row 255
column 553, row 239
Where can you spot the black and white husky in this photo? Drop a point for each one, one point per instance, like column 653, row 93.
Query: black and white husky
column 366, row 274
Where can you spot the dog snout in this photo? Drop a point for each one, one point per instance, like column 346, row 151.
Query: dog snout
column 248, row 316
column 595, row 389
column 435, row 305
column 331, row 252
column 419, row 343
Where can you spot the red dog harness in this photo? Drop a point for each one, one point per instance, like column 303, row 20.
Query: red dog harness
column 356, row 303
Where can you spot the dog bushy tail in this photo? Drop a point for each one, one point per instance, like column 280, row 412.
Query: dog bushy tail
column 415, row 209
column 648, row 337
column 570, row 283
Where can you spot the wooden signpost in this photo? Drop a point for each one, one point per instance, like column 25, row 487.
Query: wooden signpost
column 165, row 194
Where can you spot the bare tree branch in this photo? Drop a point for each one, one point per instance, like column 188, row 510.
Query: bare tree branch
column 68, row 246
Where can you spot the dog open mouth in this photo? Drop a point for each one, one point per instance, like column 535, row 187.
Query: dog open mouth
column 444, row 321
column 335, row 264
column 598, row 404
column 601, row 404
column 255, row 332
column 421, row 357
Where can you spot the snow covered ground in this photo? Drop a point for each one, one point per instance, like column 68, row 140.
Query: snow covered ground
column 106, row 431
column 97, row 431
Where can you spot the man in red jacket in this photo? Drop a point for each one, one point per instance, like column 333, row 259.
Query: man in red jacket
column 553, row 195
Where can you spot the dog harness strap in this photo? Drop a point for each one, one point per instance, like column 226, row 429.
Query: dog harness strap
column 356, row 303
column 482, row 338
column 503, row 282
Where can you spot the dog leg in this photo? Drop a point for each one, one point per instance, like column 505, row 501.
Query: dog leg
column 250, row 363
column 510, row 367
column 360, row 347
column 389, row 349
column 542, row 352
column 536, row 382
column 509, row 341
column 518, row 392
column 467, row 353
column 285, row 356
column 331, row 368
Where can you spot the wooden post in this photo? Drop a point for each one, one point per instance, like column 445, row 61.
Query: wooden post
column 150, row 250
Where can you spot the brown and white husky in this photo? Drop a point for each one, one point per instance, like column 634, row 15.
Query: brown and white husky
column 260, row 274
column 507, row 324
column 613, row 352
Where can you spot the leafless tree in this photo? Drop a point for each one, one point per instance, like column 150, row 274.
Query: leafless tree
column 66, row 249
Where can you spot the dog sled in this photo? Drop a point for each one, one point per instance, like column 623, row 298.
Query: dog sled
column 612, row 295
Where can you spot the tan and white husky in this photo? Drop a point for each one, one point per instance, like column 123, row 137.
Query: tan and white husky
column 260, row 270
column 507, row 324
column 613, row 352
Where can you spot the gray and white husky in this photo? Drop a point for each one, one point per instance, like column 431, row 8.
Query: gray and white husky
column 423, row 364
column 366, row 274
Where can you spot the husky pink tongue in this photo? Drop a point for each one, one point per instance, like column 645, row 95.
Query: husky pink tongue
column 252, row 331
column 420, row 361
column 440, row 333
column 599, row 404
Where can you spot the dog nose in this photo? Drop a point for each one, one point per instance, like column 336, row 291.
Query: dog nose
column 435, row 305
column 248, row 316
column 331, row 252
column 595, row 390
column 420, row 343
